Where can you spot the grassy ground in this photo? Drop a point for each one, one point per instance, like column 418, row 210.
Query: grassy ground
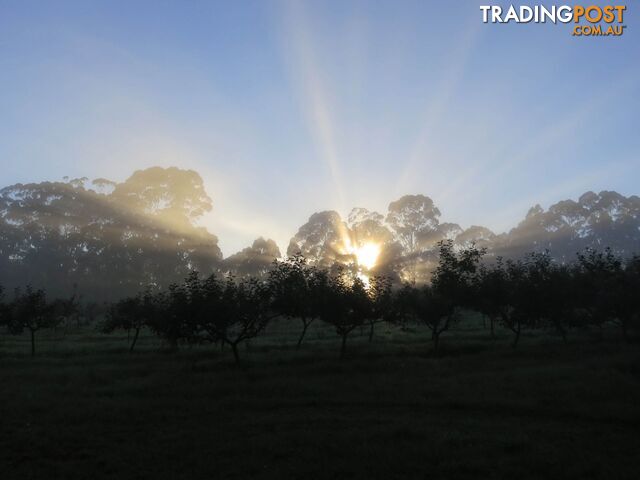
column 85, row 408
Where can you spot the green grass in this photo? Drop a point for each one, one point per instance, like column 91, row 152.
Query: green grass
column 85, row 408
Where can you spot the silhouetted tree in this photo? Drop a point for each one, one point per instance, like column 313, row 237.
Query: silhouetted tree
column 4, row 309
column 549, row 288
column 437, row 306
column 491, row 296
column 516, row 300
column 296, row 287
column 345, row 305
column 31, row 311
column 234, row 312
column 629, row 314
column 626, row 303
column 383, row 306
column 178, row 311
column 502, row 293
column 428, row 307
column 132, row 313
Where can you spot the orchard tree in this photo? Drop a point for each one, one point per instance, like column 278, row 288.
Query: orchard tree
column 295, row 287
column 345, row 305
column 596, row 276
column 439, row 305
column 132, row 313
column 455, row 274
column 515, row 314
column 178, row 311
column 626, row 305
column 383, row 306
column 491, row 288
column 234, row 312
column 549, row 293
column 426, row 306
column 31, row 311
column 4, row 309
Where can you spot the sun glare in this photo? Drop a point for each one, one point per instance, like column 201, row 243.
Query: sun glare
column 367, row 255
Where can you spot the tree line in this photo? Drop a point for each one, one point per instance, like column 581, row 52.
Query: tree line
column 532, row 293
column 114, row 238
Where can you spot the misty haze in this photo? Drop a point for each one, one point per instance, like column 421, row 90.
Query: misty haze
column 328, row 239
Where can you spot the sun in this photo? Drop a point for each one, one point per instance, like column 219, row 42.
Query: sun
column 367, row 255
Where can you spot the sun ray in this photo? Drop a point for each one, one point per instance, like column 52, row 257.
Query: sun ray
column 318, row 111
column 450, row 79
column 553, row 134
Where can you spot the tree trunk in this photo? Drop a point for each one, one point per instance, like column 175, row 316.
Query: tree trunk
column 135, row 339
column 236, row 356
column 343, row 348
column 517, row 337
column 435, row 336
column 33, row 343
column 371, row 332
column 305, row 325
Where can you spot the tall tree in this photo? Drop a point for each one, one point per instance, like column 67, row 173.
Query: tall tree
column 110, row 241
column 253, row 261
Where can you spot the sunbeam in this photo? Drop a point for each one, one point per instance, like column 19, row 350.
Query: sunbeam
column 307, row 76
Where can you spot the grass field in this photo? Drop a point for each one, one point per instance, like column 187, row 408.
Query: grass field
column 84, row 408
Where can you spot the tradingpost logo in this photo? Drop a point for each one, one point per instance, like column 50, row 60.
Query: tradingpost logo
column 588, row 21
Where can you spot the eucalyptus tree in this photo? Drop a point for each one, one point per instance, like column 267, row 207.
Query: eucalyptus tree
column 414, row 220
column 110, row 238
column 322, row 240
column 256, row 260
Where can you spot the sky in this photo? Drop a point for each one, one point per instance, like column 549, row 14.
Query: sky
column 291, row 107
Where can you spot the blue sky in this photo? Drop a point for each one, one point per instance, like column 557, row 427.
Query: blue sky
column 287, row 108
